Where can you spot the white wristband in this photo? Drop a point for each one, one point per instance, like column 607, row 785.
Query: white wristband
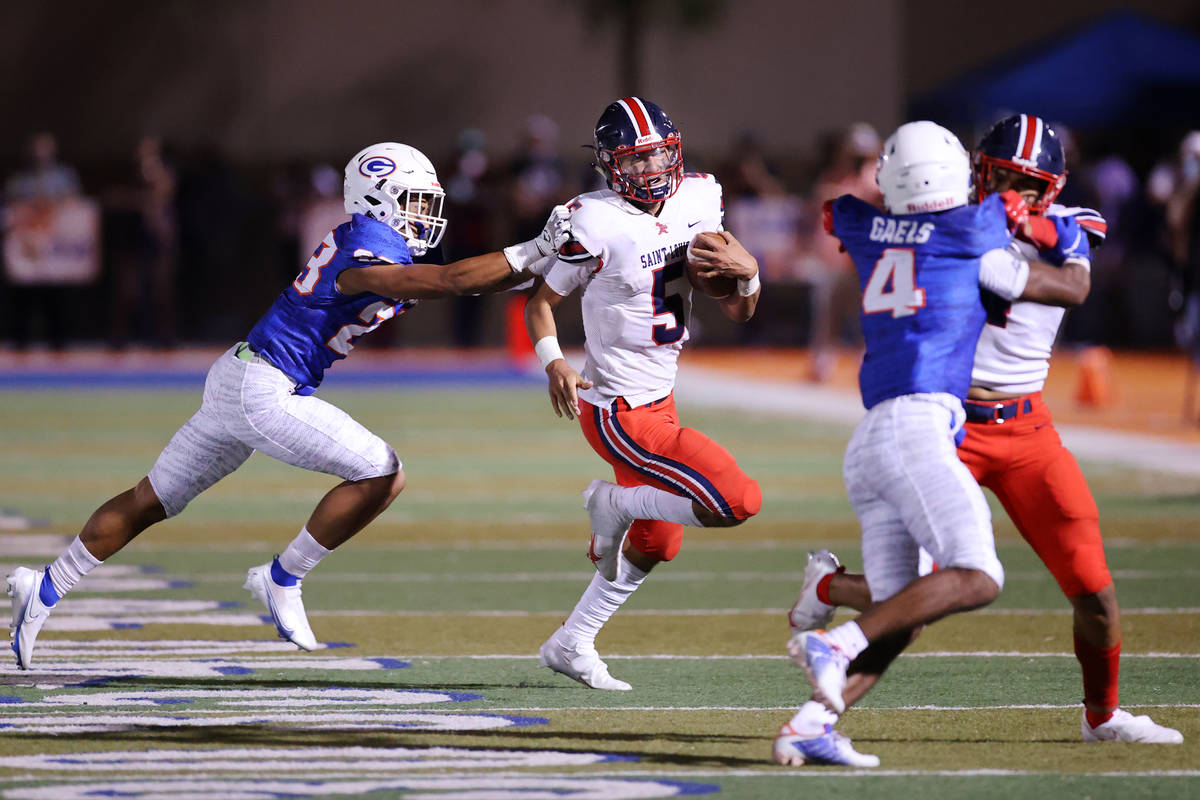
column 522, row 256
column 547, row 350
column 747, row 288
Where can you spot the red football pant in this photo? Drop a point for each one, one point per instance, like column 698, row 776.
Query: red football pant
column 1038, row 481
column 646, row 446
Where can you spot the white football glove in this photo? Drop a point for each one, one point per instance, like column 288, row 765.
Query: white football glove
column 555, row 233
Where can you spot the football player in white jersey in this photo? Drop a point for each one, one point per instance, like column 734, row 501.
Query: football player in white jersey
column 627, row 255
column 259, row 394
column 1011, row 446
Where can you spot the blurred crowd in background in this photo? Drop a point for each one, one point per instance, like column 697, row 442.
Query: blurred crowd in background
column 171, row 248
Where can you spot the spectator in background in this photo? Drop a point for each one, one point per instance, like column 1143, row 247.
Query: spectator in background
column 849, row 168
column 537, row 175
column 1174, row 187
column 1110, row 186
column 143, row 232
column 45, row 178
column 537, row 179
column 51, row 238
column 767, row 218
column 470, row 211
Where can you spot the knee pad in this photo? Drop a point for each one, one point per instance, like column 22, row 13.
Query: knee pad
column 656, row 539
column 750, row 502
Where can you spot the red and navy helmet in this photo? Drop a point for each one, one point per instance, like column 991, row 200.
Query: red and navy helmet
column 634, row 130
column 1026, row 144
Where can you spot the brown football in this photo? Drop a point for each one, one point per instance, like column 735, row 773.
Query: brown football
column 717, row 287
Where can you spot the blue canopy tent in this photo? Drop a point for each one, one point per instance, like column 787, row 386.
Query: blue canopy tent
column 1123, row 71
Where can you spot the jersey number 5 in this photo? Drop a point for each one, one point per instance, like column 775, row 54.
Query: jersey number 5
column 667, row 304
column 892, row 285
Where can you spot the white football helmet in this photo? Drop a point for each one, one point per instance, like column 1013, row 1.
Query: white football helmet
column 923, row 168
column 396, row 184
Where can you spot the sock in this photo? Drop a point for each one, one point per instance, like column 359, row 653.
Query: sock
column 646, row 502
column 1101, row 668
column 301, row 555
column 601, row 600
column 823, row 588
column 848, row 638
column 812, row 718
column 67, row 569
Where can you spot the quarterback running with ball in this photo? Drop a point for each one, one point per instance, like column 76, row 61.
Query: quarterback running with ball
column 627, row 254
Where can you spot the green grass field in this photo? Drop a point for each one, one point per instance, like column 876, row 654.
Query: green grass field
column 157, row 678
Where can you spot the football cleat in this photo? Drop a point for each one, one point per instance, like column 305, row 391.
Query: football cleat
column 29, row 612
column 1125, row 727
column 284, row 603
column 824, row 664
column 809, row 613
column 608, row 527
column 793, row 749
column 579, row 662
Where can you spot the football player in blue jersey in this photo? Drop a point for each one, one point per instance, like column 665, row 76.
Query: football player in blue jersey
column 921, row 266
column 259, row 393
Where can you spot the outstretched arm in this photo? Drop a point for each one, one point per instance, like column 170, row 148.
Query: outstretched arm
column 564, row 381
column 491, row 272
column 486, row 273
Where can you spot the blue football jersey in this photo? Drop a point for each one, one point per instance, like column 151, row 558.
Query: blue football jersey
column 921, row 308
column 312, row 324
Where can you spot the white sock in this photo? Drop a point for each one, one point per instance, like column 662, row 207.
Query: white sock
column 302, row 554
column 647, row 502
column 812, row 718
column 73, row 564
column 601, row 600
column 849, row 638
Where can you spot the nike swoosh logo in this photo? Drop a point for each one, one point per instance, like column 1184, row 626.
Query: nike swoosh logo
column 694, row 224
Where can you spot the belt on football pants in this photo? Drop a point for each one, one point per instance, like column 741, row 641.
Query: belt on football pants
column 997, row 413
column 621, row 404
column 246, row 353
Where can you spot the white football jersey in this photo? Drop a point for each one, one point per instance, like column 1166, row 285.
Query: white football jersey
column 636, row 295
column 1013, row 354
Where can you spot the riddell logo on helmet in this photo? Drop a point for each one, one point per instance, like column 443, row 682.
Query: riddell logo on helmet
column 931, row 205
column 651, row 137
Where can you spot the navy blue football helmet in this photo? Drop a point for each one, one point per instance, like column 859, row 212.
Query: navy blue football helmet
column 639, row 151
column 1026, row 144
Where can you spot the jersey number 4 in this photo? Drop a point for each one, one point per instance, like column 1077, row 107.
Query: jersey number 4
column 892, row 285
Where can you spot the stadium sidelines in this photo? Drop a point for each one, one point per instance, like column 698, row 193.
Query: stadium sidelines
column 711, row 388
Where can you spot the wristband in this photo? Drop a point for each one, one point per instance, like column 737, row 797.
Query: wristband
column 747, row 288
column 522, row 256
column 547, row 350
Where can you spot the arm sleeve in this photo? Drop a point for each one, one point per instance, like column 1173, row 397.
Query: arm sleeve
column 1004, row 273
column 564, row 277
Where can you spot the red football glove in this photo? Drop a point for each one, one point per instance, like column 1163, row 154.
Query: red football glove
column 1039, row 231
column 1033, row 228
column 1016, row 209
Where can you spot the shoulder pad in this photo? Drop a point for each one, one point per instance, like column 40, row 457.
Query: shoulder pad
column 1090, row 220
column 573, row 252
column 370, row 241
column 592, row 214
